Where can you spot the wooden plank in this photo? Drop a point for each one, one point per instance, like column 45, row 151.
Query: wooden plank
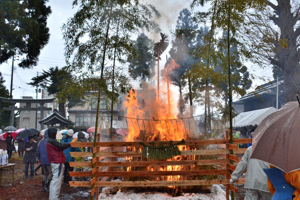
column 94, row 170
column 162, row 163
column 187, row 142
column 81, row 154
column 157, row 143
column 95, row 149
column 232, row 167
column 242, row 141
column 233, row 146
column 93, row 191
column 93, row 180
column 80, row 174
column 241, row 181
column 240, row 151
column 183, row 153
column 234, row 189
column 80, row 164
column 105, row 179
column 163, row 173
column 94, row 160
column 159, row 183
column 80, row 183
column 233, row 157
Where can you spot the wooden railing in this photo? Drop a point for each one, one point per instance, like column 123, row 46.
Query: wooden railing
column 103, row 169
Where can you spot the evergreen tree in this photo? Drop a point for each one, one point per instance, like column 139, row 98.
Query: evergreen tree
column 23, row 30
column 4, row 114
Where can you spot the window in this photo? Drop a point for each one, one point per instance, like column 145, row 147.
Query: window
column 26, row 119
column 102, row 104
column 84, row 119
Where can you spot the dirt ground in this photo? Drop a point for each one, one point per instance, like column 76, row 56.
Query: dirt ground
column 31, row 188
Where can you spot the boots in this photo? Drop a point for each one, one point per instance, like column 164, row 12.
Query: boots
column 45, row 186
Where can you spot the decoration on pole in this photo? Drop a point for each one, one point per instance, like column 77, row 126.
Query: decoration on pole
column 161, row 152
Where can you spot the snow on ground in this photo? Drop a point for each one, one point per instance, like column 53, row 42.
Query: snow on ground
column 217, row 194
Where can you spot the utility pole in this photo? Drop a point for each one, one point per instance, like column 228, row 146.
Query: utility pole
column 12, row 111
column 36, row 91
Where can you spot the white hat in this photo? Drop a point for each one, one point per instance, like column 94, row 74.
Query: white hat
column 70, row 132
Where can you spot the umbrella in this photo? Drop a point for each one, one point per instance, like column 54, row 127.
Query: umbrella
column 276, row 140
column 19, row 130
column 85, row 134
column 28, row 132
column 9, row 128
column 13, row 134
column 92, row 129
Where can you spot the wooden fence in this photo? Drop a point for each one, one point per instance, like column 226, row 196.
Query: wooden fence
column 103, row 165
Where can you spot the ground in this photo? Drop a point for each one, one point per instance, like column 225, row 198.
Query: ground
column 31, row 188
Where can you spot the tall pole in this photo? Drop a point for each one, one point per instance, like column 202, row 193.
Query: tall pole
column 277, row 95
column 168, row 88
column 36, row 91
column 157, row 73
column 12, row 111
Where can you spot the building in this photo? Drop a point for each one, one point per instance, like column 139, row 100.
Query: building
column 84, row 116
column 263, row 96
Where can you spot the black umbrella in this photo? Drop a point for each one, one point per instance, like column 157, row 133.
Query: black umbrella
column 27, row 133
column 9, row 128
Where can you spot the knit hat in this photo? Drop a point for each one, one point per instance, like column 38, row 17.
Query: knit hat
column 70, row 132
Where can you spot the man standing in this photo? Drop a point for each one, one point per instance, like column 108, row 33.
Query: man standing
column 30, row 156
column 256, row 180
column 44, row 162
column 56, row 159
column 67, row 139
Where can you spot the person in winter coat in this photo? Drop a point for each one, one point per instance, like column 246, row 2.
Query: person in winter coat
column 256, row 180
column 21, row 147
column 67, row 139
column 30, row 156
column 44, row 162
column 56, row 159
column 283, row 185
column 9, row 145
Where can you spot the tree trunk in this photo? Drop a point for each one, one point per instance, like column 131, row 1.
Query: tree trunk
column 287, row 57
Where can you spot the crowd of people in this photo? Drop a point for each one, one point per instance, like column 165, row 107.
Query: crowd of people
column 52, row 155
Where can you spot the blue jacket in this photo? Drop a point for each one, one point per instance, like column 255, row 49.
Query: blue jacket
column 42, row 151
column 70, row 149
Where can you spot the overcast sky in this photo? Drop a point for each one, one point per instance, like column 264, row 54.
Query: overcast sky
column 53, row 53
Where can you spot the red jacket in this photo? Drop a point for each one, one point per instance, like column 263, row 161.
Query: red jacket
column 55, row 151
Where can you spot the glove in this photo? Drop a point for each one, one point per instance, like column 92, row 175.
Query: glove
column 231, row 181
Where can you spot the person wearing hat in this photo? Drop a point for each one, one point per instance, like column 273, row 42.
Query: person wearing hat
column 30, row 156
column 56, row 159
column 67, row 138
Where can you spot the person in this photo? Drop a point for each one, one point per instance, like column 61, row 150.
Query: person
column 256, row 184
column 67, row 138
column 9, row 144
column 56, row 159
column 44, row 162
column 283, row 185
column 30, row 156
column 38, row 139
column 21, row 147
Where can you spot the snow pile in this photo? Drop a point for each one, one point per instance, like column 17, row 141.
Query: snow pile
column 217, row 194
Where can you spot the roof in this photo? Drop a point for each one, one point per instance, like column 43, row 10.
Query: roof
column 55, row 118
column 265, row 89
column 252, row 117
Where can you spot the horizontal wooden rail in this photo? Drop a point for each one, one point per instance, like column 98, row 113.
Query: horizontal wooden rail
column 80, row 164
column 148, row 183
column 163, row 173
column 80, row 174
column 162, row 163
column 137, row 144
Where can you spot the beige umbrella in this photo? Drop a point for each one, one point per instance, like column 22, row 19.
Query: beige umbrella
column 277, row 138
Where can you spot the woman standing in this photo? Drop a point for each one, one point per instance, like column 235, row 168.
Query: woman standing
column 9, row 144
column 21, row 147
column 30, row 156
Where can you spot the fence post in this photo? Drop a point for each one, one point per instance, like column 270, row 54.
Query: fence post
column 227, row 165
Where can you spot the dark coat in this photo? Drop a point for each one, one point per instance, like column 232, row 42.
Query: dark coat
column 30, row 156
column 42, row 150
column 20, row 145
column 55, row 150
column 10, row 144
